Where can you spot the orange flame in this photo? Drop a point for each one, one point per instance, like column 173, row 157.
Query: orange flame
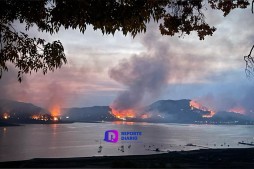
column 123, row 114
column 194, row 104
column 55, row 111
column 35, row 117
column 6, row 116
column 240, row 110
column 212, row 113
column 39, row 117
column 55, row 118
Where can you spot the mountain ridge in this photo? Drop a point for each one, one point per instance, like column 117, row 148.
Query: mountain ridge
column 161, row 111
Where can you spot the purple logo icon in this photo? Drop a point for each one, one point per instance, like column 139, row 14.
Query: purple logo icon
column 111, row 136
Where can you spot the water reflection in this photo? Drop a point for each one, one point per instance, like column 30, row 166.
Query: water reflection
column 53, row 128
column 86, row 139
column 5, row 130
column 123, row 123
column 129, row 123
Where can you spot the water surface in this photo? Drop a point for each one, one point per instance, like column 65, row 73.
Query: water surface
column 84, row 139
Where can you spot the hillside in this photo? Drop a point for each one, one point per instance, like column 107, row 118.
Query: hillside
column 162, row 111
column 21, row 109
column 173, row 111
column 88, row 114
column 14, row 113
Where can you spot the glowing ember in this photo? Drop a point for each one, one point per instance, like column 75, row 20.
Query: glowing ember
column 123, row 114
column 194, row 104
column 55, row 118
column 40, row 117
column 6, row 116
column 240, row 110
column 35, row 117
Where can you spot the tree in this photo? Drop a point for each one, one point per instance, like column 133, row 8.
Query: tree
column 128, row 16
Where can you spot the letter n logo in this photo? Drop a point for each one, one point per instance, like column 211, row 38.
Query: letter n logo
column 111, row 136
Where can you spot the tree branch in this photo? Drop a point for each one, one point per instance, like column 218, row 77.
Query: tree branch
column 251, row 50
column 249, row 68
column 252, row 6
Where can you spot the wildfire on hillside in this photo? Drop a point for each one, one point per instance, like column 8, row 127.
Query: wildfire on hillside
column 128, row 113
column 40, row 117
column 55, row 111
column 145, row 116
column 196, row 105
column 123, row 114
column 6, row 116
column 55, row 118
column 212, row 113
column 239, row 110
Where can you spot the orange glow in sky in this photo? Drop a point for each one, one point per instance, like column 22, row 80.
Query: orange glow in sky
column 55, row 110
column 240, row 110
column 145, row 116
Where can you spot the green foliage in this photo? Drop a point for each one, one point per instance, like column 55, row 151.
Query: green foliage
column 29, row 54
column 108, row 16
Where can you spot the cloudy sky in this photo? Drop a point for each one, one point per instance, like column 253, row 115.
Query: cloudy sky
column 127, row 72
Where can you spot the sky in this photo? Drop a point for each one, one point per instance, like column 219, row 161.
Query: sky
column 131, row 72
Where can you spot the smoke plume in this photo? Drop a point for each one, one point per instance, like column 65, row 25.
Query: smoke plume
column 52, row 91
column 147, row 74
column 238, row 99
column 142, row 75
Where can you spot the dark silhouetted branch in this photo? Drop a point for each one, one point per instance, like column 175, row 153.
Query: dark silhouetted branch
column 252, row 6
column 249, row 69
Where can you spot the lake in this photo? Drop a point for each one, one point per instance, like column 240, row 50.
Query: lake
column 83, row 139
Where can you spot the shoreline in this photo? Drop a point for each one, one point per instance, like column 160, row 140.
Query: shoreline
column 7, row 124
column 203, row 158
